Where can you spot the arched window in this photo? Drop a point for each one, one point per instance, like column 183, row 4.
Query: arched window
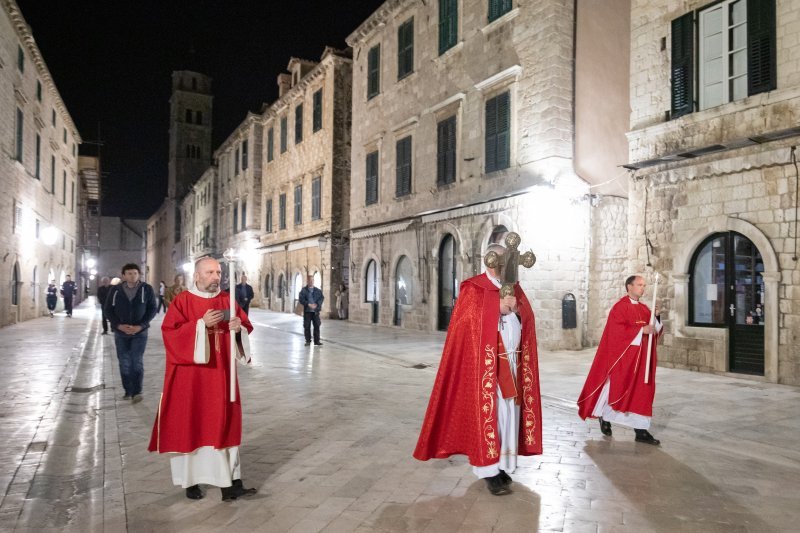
column 404, row 281
column 281, row 286
column 371, row 294
column 268, row 286
column 298, row 285
column 15, row 281
column 498, row 234
column 448, row 281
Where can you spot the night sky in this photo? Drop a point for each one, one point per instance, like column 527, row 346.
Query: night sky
column 112, row 64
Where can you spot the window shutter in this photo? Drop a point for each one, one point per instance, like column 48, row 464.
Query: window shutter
column 373, row 71
column 682, row 64
column 372, row 178
column 761, row 62
column 491, row 135
column 503, row 130
column 441, row 153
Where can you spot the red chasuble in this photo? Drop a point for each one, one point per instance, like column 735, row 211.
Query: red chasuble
column 624, row 364
column 195, row 408
column 461, row 416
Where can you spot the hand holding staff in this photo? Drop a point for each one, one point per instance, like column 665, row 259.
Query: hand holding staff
column 652, row 337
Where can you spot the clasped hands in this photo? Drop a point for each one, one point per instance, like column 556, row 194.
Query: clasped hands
column 508, row 305
column 212, row 317
column 129, row 329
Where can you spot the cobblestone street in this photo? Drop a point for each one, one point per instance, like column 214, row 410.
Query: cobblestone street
column 328, row 436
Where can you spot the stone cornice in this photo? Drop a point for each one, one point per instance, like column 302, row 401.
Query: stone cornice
column 26, row 37
column 328, row 61
column 376, row 21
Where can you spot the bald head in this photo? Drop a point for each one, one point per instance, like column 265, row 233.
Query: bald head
column 207, row 274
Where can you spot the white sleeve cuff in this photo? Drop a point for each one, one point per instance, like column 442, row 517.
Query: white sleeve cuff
column 202, row 351
column 244, row 357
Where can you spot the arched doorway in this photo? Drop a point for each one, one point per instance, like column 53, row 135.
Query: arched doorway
column 448, row 281
column 727, row 290
column 282, row 292
column 403, row 288
column 268, row 291
column 296, row 288
column 372, row 289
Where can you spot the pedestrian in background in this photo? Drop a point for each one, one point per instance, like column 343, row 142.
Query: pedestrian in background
column 173, row 290
column 162, row 289
column 102, row 294
column 130, row 306
column 311, row 298
column 341, row 302
column 68, row 291
column 52, row 297
column 244, row 293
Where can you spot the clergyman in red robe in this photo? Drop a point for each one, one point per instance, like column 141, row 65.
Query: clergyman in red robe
column 197, row 424
column 485, row 402
column 615, row 390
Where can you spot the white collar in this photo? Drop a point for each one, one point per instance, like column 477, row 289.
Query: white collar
column 493, row 280
column 202, row 294
column 633, row 301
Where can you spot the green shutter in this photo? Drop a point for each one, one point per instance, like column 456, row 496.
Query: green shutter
column 498, row 8
column 372, row 178
column 682, row 65
column 317, row 110
column 403, row 183
column 498, row 129
column 761, row 63
column 373, row 71
column 448, row 24
column 446, row 151
column 405, row 49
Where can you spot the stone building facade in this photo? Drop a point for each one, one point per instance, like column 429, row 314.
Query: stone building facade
column 239, row 196
column 38, row 174
column 189, row 156
column 306, row 180
column 715, row 97
column 201, row 218
column 122, row 241
column 466, row 128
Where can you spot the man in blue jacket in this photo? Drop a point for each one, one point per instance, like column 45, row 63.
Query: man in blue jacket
column 311, row 298
column 130, row 306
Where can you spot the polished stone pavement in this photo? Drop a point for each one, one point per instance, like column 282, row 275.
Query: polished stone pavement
column 328, row 435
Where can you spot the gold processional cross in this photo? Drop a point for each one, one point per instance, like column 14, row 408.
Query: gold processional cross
column 507, row 265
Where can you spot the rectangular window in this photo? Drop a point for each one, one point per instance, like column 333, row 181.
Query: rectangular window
column 20, row 59
column 268, row 222
column 298, row 124
column 20, row 134
column 52, row 174
column 38, row 90
column 316, row 198
column 244, row 155
column 446, row 151
column 244, row 215
column 64, row 136
column 72, row 197
column 53, row 117
column 17, row 218
column 498, row 129
column 372, row 178
column 282, row 211
column 498, row 8
column 405, row 49
column 374, row 71
column 64, row 187
column 235, row 224
column 735, row 56
column 448, row 24
column 284, row 134
column 403, row 186
column 317, row 117
column 37, row 174
column 236, row 162
column 270, row 144
column 298, row 204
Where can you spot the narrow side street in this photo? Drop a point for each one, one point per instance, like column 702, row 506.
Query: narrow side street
column 328, row 435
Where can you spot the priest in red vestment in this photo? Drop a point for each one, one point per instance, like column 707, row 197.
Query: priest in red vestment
column 485, row 402
column 197, row 424
column 615, row 390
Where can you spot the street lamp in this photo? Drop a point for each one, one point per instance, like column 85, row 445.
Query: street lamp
column 323, row 243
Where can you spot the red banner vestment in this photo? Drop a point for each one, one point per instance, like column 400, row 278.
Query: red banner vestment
column 195, row 408
column 461, row 416
column 616, row 359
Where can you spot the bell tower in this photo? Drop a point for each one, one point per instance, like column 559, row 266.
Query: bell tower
column 189, row 131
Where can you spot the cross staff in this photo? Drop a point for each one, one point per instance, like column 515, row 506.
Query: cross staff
column 230, row 255
column 652, row 338
column 508, row 264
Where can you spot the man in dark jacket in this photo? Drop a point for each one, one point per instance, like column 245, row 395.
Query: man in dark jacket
column 130, row 306
column 311, row 298
column 244, row 293
column 68, row 291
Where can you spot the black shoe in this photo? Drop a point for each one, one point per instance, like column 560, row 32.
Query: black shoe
column 236, row 490
column 317, row 344
column 605, row 427
column 308, row 343
column 505, row 478
column 642, row 435
column 194, row 492
column 496, row 486
column 128, row 397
